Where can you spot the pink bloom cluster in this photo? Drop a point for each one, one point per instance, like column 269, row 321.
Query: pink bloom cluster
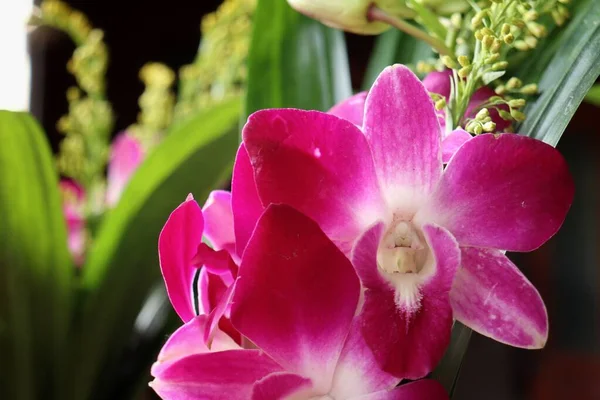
column 346, row 249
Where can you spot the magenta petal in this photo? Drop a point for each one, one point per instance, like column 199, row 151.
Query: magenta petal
column 439, row 82
column 408, row 343
column 280, row 385
column 177, row 245
column 296, row 295
column 425, row 389
column 218, row 221
column 317, row 163
column 352, row 109
column 452, row 143
column 357, row 371
column 246, row 205
column 219, row 311
column 127, row 154
column 221, row 375
column 502, row 191
column 491, row 296
column 404, row 135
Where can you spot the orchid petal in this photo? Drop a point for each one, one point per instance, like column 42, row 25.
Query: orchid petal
column 404, row 135
column 439, row 82
column 296, row 295
column 491, row 296
column 425, row 389
column 504, row 191
column 452, row 143
column 245, row 203
column 127, row 154
column 357, row 371
column 211, row 288
column 318, row 164
column 407, row 342
column 279, row 386
column 219, row 311
column 352, row 109
column 177, row 246
column 218, row 221
column 227, row 374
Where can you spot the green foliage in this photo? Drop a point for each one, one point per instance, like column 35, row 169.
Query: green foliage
column 294, row 61
column 35, row 266
column 593, row 96
column 566, row 67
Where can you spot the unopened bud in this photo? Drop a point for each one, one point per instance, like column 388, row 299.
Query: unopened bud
column 516, row 103
column 521, row 45
column 500, row 89
column 517, row 115
column 449, row 62
column 538, row 30
column 456, row 20
column 489, row 126
column 487, row 41
column 496, row 45
column 505, row 29
column 530, row 15
column 465, row 71
column 482, row 114
column 505, row 115
column 352, row 15
column 508, row 39
column 531, row 41
column 464, row 61
column 529, row 89
column 440, row 104
column 500, row 66
column 514, row 83
column 492, row 58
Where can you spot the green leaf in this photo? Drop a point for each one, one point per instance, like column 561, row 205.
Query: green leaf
column 394, row 47
column 35, row 265
column 122, row 265
column 294, row 61
column 447, row 372
column 593, row 96
column 573, row 66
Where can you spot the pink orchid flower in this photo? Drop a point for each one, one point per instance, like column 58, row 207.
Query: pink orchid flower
column 429, row 241
column 182, row 254
column 126, row 155
column 295, row 299
column 73, row 201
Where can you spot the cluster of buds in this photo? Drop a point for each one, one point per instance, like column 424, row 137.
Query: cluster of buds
column 156, row 103
column 87, row 126
column 481, row 123
column 219, row 70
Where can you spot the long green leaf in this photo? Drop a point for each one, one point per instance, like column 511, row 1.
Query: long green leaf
column 574, row 66
column 294, row 61
column 35, row 266
column 394, row 47
column 123, row 262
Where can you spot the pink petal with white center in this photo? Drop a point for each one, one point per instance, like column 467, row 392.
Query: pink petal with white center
column 491, row 296
column 425, row 389
column 281, row 385
column 177, row 246
column 296, row 295
column 126, row 155
column 221, row 375
column 357, row 371
column 352, row 109
column 452, row 143
column 405, row 137
column 246, row 205
column 502, row 191
column 218, row 221
column 317, row 163
column 406, row 318
column 188, row 340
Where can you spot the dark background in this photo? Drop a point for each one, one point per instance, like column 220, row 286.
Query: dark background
column 565, row 270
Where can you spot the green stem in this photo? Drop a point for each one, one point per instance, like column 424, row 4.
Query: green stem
column 376, row 14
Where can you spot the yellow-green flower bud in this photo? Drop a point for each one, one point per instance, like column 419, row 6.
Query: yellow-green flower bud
column 521, row 45
column 508, row 39
column 500, row 66
column 505, row 115
column 440, row 104
column 492, row 58
column 531, row 41
column 449, row 62
column 487, row 41
column 482, row 114
column 464, row 61
column 514, row 83
column 496, row 45
column 352, row 15
column 505, row 29
column 500, row 89
column 538, row 30
column 477, row 129
column 517, row 115
column 489, row 126
column 465, row 71
column 529, row 89
column 456, row 20
column 516, row 103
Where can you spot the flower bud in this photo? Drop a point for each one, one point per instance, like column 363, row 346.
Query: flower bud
column 516, row 103
column 530, row 89
column 352, row 15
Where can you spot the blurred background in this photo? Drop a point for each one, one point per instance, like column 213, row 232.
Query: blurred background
column 565, row 270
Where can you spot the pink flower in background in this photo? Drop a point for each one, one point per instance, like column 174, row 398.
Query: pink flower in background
column 126, row 155
column 295, row 299
column 428, row 243
column 73, row 201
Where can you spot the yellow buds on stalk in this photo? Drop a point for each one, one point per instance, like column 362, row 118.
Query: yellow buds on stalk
column 352, row 15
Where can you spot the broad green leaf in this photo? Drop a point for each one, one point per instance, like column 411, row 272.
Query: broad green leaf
column 122, row 265
column 294, row 61
column 35, row 266
column 574, row 65
column 394, row 47
column 593, row 96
